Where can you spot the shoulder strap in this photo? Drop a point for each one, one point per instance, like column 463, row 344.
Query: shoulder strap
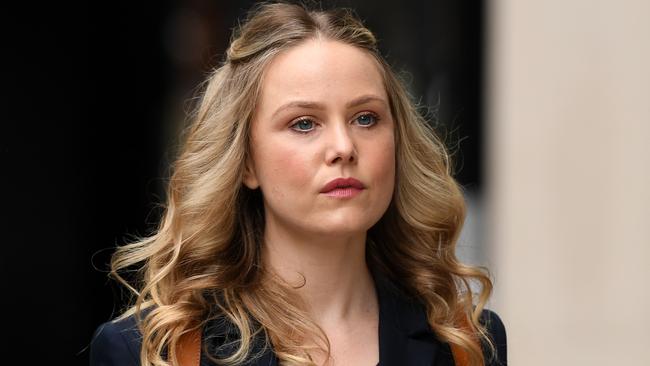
column 460, row 356
column 189, row 349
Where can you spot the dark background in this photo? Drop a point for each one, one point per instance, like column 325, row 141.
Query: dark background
column 94, row 98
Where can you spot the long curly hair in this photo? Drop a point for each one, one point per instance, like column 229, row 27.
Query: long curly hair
column 203, row 259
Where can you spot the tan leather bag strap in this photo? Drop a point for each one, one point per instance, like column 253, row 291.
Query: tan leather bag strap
column 461, row 358
column 189, row 349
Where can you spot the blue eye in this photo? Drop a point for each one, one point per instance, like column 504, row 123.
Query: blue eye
column 367, row 119
column 303, row 126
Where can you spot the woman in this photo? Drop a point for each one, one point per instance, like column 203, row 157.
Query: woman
column 311, row 218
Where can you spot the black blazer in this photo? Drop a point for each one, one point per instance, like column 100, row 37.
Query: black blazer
column 405, row 338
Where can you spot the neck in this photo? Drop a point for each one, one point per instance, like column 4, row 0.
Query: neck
column 338, row 287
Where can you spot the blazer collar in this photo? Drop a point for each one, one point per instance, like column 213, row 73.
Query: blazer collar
column 405, row 337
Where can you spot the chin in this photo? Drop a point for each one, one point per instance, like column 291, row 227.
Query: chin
column 343, row 226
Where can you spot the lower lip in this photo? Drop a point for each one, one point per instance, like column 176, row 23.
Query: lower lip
column 344, row 192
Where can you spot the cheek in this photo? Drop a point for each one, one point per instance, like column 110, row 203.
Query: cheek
column 383, row 168
column 384, row 159
column 283, row 168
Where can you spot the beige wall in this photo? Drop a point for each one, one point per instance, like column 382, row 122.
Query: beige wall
column 568, row 165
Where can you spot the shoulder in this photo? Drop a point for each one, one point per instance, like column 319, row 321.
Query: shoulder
column 116, row 343
column 497, row 332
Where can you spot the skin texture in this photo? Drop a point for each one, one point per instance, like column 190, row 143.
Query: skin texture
column 291, row 167
column 308, row 233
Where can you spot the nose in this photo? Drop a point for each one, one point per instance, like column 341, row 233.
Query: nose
column 341, row 147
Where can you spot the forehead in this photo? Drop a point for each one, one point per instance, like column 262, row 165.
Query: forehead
column 320, row 70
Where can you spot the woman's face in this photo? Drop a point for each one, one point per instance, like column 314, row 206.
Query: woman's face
column 323, row 114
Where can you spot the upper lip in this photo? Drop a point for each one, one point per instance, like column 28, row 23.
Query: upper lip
column 342, row 183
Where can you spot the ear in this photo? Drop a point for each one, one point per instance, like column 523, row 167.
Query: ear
column 250, row 178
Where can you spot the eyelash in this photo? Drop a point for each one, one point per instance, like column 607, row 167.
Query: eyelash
column 376, row 120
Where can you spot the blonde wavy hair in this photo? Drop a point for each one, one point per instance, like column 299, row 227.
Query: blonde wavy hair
column 204, row 261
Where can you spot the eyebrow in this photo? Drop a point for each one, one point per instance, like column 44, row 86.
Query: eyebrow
column 315, row 105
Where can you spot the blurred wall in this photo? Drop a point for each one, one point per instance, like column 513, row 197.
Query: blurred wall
column 568, row 179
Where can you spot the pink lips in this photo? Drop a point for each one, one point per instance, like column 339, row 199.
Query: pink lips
column 343, row 187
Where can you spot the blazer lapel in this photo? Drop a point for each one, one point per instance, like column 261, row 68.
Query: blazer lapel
column 220, row 338
column 405, row 337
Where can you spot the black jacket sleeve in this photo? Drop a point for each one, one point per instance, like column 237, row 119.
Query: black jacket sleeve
column 497, row 332
column 116, row 344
